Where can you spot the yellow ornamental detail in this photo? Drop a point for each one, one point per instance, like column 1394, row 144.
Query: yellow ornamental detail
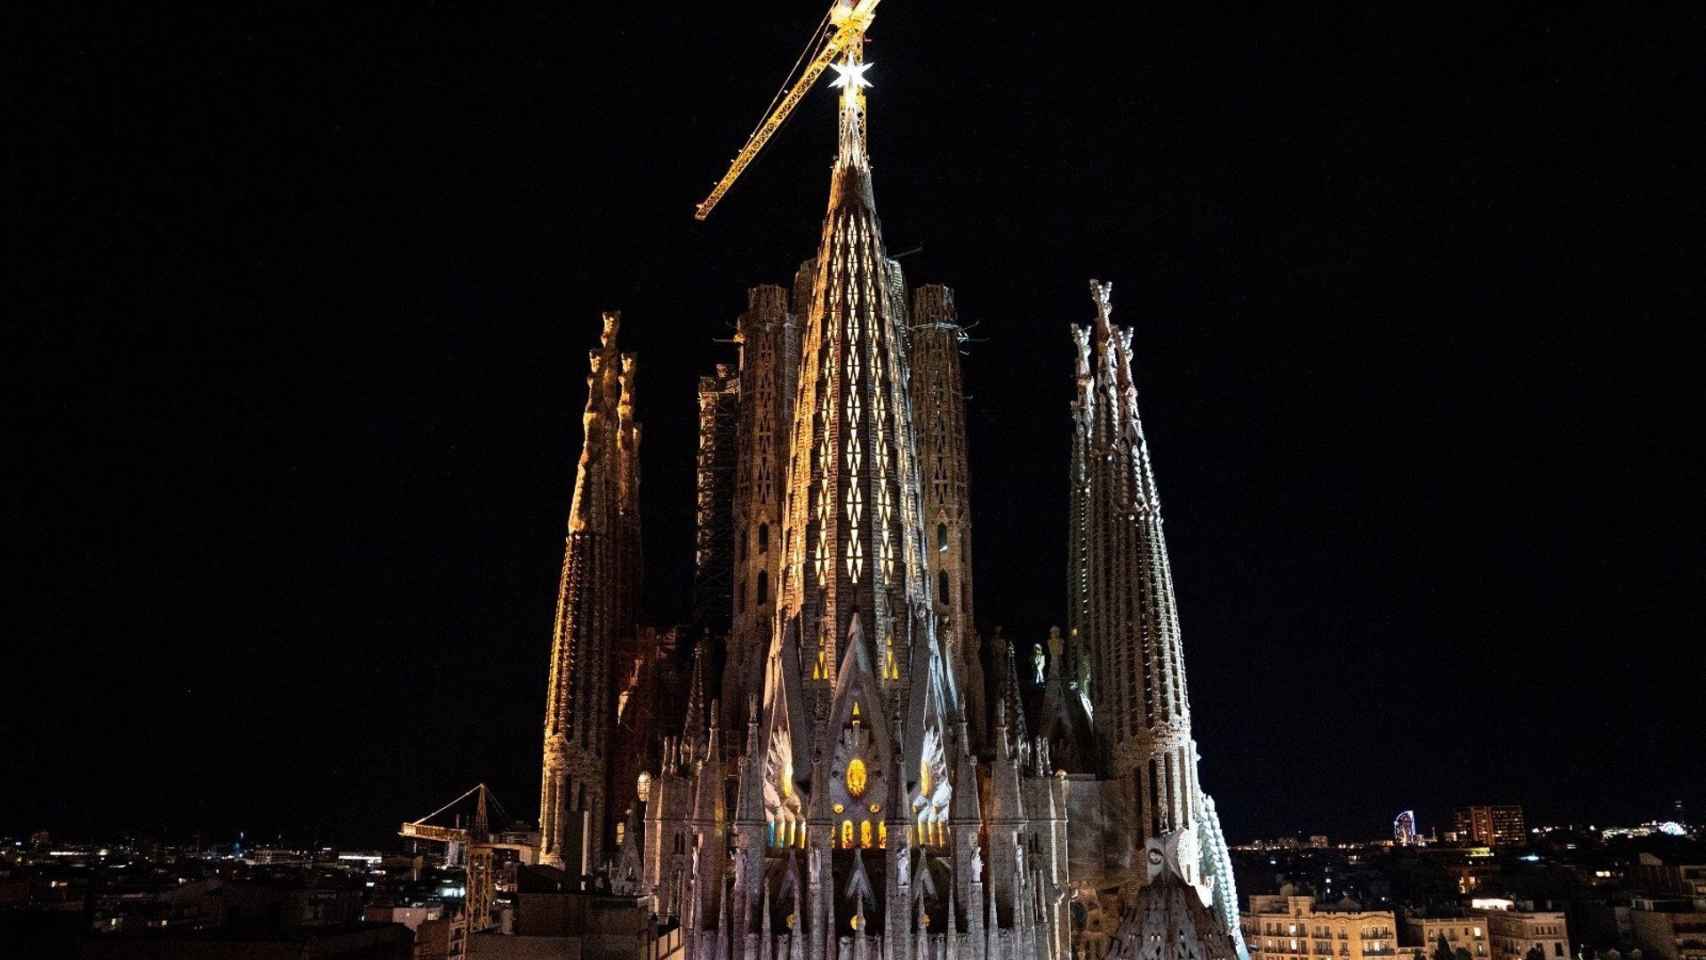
column 856, row 778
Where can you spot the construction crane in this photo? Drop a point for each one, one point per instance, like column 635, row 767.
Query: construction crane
column 476, row 839
column 841, row 34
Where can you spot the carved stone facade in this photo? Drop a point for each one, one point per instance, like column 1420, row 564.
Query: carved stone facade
column 845, row 789
column 863, row 824
column 769, row 369
column 1128, row 660
column 938, row 396
column 597, row 602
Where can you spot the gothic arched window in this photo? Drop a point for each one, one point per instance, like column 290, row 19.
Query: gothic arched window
column 942, row 537
column 942, row 587
column 763, row 587
column 764, row 538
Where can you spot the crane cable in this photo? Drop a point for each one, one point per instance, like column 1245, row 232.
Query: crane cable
column 812, row 47
column 449, row 805
column 493, row 801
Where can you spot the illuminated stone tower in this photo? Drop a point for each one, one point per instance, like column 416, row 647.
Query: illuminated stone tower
column 597, row 598
column 1121, row 587
column 857, row 827
column 939, row 410
column 1125, row 629
column 852, row 536
column 769, row 368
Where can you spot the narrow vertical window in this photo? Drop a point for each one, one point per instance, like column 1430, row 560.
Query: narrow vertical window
column 764, row 538
column 942, row 537
column 942, row 588
column 763, row 587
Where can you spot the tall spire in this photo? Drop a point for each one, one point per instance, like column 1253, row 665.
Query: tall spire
column 597, row 597
column 1120, row 587
column 939, row 413
column 853, row 536
column 852, row 183
column 769, row 341
column 693, row 727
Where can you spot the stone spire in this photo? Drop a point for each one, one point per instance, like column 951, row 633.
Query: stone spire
column 939, row 412
column 1065, row 727
column 769, row 342
column 693, row 726
column 597, row 597
column 853, row 534
column 1012, row 700
column 1121, row 593
column 709, row 819
column 1167, row 920
column 966, row 818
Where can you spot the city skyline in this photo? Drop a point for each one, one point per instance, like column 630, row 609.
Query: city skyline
column 290, row 543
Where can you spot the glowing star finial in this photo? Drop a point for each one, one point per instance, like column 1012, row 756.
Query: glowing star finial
column 850, row 76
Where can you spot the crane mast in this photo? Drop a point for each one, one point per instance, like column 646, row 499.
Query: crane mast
column 849, row 22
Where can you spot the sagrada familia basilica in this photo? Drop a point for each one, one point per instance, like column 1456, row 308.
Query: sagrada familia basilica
column 844, row 771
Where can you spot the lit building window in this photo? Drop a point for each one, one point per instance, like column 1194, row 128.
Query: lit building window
column 643, row 786
column 856, row 778
column 865, row 834
column 847, row 834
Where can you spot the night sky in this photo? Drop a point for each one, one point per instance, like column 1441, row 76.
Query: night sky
column 305, row 296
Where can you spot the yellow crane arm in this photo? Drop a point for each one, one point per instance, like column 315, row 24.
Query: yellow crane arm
column 850, row 27
column 426, row 831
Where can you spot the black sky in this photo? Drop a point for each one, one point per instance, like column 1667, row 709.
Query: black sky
column 305, row 295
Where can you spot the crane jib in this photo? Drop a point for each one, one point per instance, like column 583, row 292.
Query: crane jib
column 850, row 28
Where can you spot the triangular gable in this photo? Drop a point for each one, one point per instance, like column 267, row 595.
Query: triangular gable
column 930, row 702
column 856, row 683
column 782, row 728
